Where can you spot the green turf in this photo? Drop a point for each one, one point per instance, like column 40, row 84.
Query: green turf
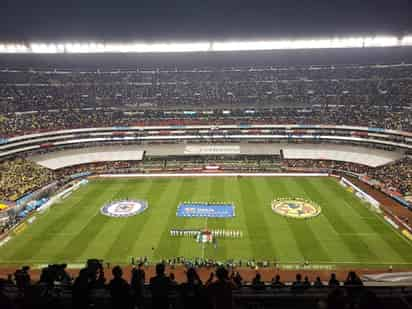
column 345, row 233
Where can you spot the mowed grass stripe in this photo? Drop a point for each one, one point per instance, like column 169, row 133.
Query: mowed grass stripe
column 281, row 232
column 87, row 233
column 263, row 203
column 385, row 239
column 49, row 228
column 120, row 233
column 168, row 246
column 218, row 193
column 306, row 239
column 325, row 233
column 356, row 244
column 241, row 249
column 44, row 222
column 200, row 193
column 153, row 225
column 256, row 225
column 369, row 224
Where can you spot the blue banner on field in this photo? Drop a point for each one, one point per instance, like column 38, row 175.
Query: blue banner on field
column 215, row 210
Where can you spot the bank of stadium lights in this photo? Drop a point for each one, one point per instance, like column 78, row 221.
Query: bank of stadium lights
column 91, row 47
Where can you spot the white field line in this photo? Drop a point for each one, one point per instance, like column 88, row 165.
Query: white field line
column 212, row 175
column 43, row 261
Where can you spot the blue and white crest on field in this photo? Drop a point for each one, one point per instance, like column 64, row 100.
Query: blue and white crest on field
column 124, row 208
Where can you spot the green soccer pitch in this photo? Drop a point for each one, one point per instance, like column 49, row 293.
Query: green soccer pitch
column 345, row 233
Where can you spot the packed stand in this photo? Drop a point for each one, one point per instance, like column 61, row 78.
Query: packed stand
column 373, row 96
column 326, row 165
column 396, row 176
column 20, row 176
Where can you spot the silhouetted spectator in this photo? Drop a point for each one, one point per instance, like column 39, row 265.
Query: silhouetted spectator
column 220, row 291
column 191, row 291
column 297, row 285
column 237, row 279
column 96, row 275
column 306, row 283
column 257, row 282
column 62, row 275
column 276, row 283
column 119, row 289
column 160, row 287
column 333, row 282
column 353, row 280
column 81, row 290
column 137, row 285
column 318, row 283
column 22, row 278
column 353, row 285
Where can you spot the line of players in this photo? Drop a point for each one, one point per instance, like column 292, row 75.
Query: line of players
column 215, row 233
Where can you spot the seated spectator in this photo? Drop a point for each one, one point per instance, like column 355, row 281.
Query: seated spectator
column 220, row 292
column 191, row 291
column 306, row 283
column 22, row 278
column 276, row 283
column 62, row 275
column 353, row 285
column 353, row 280
column 318, row 283
column 333, row 282
column 97, row 279
column 297, row 285
column 237, row 279
column 81, row 290
column 119, row 289
column 257, row 283
column 160, row 287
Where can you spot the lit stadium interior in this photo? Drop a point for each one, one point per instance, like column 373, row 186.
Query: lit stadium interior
column 221, row 172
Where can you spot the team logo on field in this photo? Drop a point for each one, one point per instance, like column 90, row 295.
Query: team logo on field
column 296, row 207
column 123, row 208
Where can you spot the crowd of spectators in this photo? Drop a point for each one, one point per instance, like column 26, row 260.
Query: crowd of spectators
column 20, row 176
column 164, row 292
column 396, row 176
column 389, row 117
column 326, row 165
column 374, row 96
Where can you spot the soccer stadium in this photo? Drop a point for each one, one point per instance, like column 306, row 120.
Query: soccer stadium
column 214, row 174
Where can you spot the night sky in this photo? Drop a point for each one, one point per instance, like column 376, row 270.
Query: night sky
column 155, row 20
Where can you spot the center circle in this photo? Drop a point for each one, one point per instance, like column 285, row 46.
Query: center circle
column 123, row 208
column 296, row 208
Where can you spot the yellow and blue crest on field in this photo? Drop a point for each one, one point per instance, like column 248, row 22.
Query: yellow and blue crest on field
column 296, row 207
